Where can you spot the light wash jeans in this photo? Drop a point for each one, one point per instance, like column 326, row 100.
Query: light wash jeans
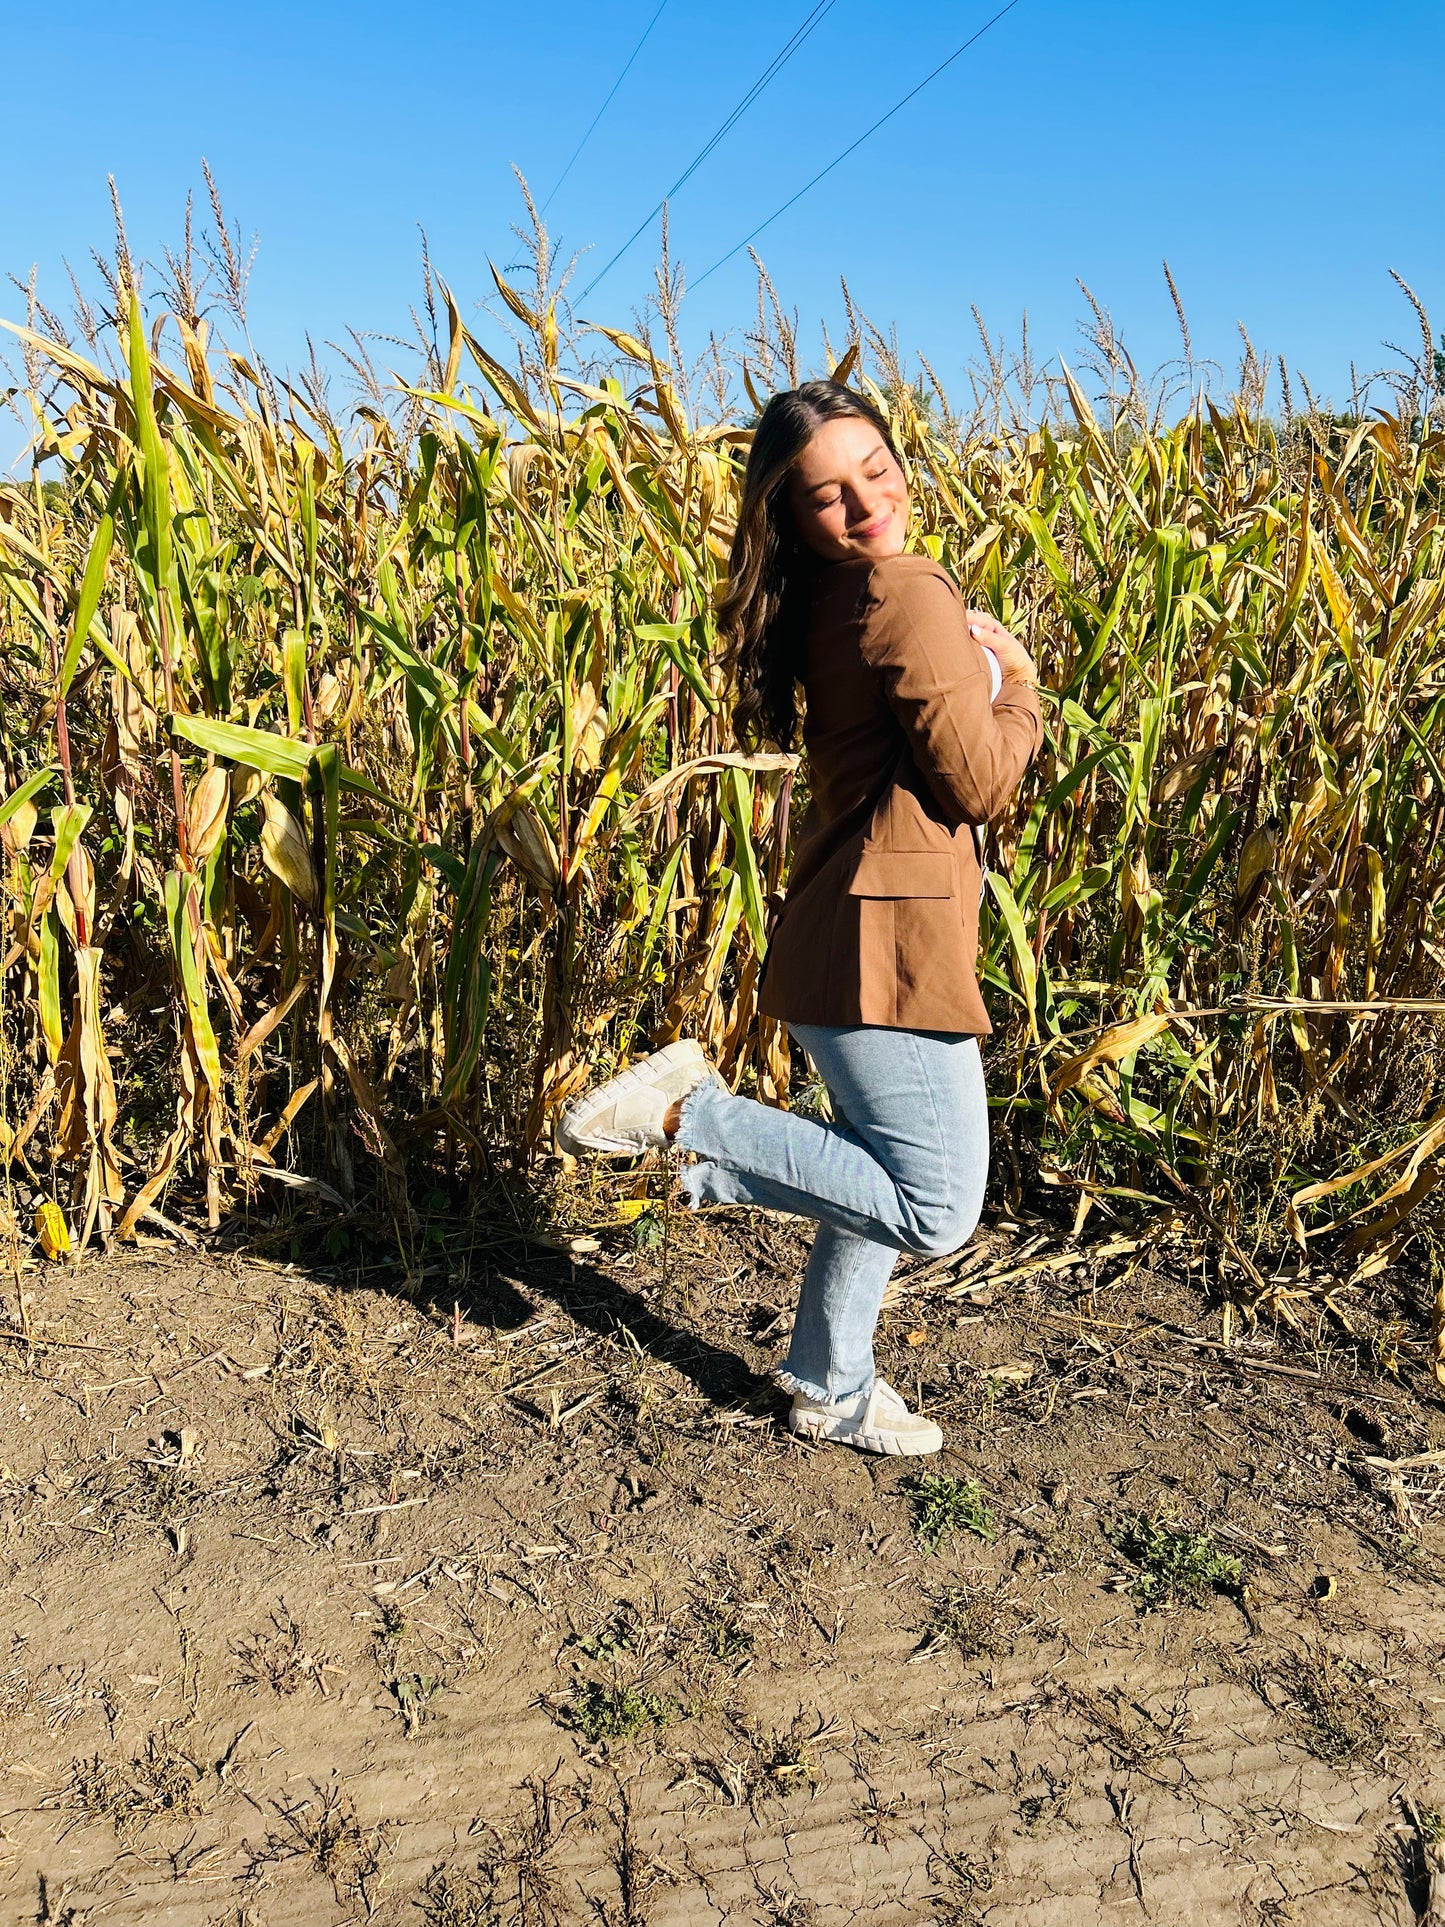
column 902, row 1168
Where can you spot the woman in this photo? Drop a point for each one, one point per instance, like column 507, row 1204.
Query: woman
column 872, row 960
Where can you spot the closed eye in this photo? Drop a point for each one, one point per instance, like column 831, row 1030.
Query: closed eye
column 827, row 501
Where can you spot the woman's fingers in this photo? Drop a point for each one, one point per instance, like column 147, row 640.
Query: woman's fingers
column 1013, row 658
column 985, row 628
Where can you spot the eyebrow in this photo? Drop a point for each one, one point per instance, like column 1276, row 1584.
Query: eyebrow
column 831, row 481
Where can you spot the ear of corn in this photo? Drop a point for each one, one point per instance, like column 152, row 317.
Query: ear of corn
column 401, row 770
column 52, row 1230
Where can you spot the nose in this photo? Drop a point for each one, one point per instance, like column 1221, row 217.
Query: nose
column 866, row 504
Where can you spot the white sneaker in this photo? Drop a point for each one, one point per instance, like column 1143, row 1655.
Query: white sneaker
column 623, row 1117
column 876, row 1421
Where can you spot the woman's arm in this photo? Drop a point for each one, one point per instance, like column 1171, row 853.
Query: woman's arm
column 935, row 677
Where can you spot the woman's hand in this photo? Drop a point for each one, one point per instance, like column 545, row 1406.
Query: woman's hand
column 1015, row 662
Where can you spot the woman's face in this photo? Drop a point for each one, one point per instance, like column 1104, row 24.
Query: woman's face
column 848, row 495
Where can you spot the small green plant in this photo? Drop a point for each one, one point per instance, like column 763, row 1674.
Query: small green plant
column 414, row 1694
column 942, row 1505
column 648, row 1231
column 1385, row 1347
column 606, row 1715
column 1174, row 1567
column 724, row 1636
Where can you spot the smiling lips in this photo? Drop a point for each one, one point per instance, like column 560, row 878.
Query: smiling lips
column 872, row 529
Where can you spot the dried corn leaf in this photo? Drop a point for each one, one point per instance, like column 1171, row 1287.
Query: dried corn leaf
column 1111, row 1047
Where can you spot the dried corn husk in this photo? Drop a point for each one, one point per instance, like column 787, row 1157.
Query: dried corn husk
column 327, row 698
column 589, row 728
column 245, row 783
column 206, row 812
column 285, row 852
column 21, row 827
column 528, row 842
column 1135, row 895
column 1256, row 861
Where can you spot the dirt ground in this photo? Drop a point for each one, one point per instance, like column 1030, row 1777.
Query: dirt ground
column 510, row 1600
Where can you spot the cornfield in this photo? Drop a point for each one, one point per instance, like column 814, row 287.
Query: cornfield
column 367, row 789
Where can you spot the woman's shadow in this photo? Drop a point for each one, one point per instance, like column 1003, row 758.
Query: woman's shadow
column 601, row 1304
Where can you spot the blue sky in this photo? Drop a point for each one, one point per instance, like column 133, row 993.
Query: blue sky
column 1282, row 156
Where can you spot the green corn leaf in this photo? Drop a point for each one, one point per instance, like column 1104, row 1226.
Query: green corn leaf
column 671, row 637
column 467, row 978
column 154, row 462
column 69, row 821
column 1025, row 969
column 735, row 800
column 179, row 886
column 1078, row 888
column 293, row 677
column 661, row 898
column 88, row 600
column 324, row 779
column 280, row 756
column 32, row 786
column 49, row 983
column 257, row 749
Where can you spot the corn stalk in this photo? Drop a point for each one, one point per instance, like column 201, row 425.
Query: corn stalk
column 392, row 773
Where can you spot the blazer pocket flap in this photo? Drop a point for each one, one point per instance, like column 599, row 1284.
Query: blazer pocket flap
column 903, row 873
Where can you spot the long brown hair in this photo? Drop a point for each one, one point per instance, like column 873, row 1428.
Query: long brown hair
column 763, row 611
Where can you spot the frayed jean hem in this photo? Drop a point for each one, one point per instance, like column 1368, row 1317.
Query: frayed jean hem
column 690, row 1176
column 706, row 1181
column 692, row 1113
column 791, row 1382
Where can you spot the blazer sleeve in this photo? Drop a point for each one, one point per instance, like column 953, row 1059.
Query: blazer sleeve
column 935, row 677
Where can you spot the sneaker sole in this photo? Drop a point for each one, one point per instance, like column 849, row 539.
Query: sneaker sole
column 890, row 1445
column 575, row 1120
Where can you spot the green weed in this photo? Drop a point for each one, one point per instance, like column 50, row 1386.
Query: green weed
column 1174, row 1567
column 942, row 1505
column 724, row 1636
column 605, row 1715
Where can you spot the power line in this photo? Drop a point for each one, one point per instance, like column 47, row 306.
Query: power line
column 819, row 13
column 605, row 105
column 769, row 73
column 867, row 135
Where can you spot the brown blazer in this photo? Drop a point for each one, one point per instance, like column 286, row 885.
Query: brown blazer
column 905, row 756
